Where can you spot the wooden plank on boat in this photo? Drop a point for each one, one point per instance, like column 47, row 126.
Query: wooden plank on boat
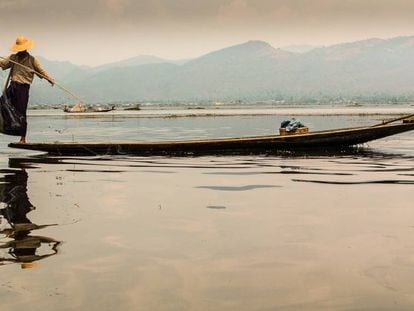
column 245, row 145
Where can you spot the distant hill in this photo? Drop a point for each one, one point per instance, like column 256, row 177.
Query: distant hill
column 254, row 70
column 137, row 61
column 299, row 48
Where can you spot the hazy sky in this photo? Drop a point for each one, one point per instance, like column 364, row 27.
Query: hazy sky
column 98, row 31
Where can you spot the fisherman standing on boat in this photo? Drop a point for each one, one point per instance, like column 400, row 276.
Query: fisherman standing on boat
column 21, row 77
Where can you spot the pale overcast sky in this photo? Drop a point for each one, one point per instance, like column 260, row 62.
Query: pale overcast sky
column 99, row 31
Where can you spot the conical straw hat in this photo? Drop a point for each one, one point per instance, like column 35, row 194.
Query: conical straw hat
column 22, row 44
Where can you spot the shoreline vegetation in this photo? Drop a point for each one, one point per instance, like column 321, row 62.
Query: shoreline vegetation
column 204, row 105
column 177, row 112
column 137, row 105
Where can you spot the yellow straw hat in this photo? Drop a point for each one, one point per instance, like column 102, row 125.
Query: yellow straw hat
column 22, row 44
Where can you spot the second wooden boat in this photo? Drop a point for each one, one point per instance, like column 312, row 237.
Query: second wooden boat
column 78, row 108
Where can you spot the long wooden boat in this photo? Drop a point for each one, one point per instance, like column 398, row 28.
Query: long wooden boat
column 316, row 141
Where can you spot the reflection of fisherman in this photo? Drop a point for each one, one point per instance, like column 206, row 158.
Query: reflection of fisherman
column 13, row 193
column 24, row 248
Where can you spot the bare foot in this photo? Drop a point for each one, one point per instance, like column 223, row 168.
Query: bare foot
column 22, row 141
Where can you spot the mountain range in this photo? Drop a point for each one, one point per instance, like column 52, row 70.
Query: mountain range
column 362, row 70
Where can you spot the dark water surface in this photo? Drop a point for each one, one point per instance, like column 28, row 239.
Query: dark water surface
column 304, row 232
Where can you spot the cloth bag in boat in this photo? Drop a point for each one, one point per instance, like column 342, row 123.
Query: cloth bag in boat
column 11, row 121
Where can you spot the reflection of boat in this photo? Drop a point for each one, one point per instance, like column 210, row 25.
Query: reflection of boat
column 79, row 108
column 316, row 141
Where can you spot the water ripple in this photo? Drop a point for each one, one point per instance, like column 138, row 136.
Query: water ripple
column 237, row 188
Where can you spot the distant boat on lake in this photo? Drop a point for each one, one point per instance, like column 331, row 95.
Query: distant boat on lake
column 79, row 108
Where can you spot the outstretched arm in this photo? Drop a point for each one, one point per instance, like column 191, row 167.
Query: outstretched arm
column 39, row 69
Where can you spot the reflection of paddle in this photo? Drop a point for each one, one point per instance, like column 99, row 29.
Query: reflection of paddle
column 43, row 76
column 394, row 120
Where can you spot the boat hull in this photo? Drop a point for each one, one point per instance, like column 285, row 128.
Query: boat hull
column 323, row 140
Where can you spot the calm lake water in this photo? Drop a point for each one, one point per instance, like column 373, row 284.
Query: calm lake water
column 308, row 232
